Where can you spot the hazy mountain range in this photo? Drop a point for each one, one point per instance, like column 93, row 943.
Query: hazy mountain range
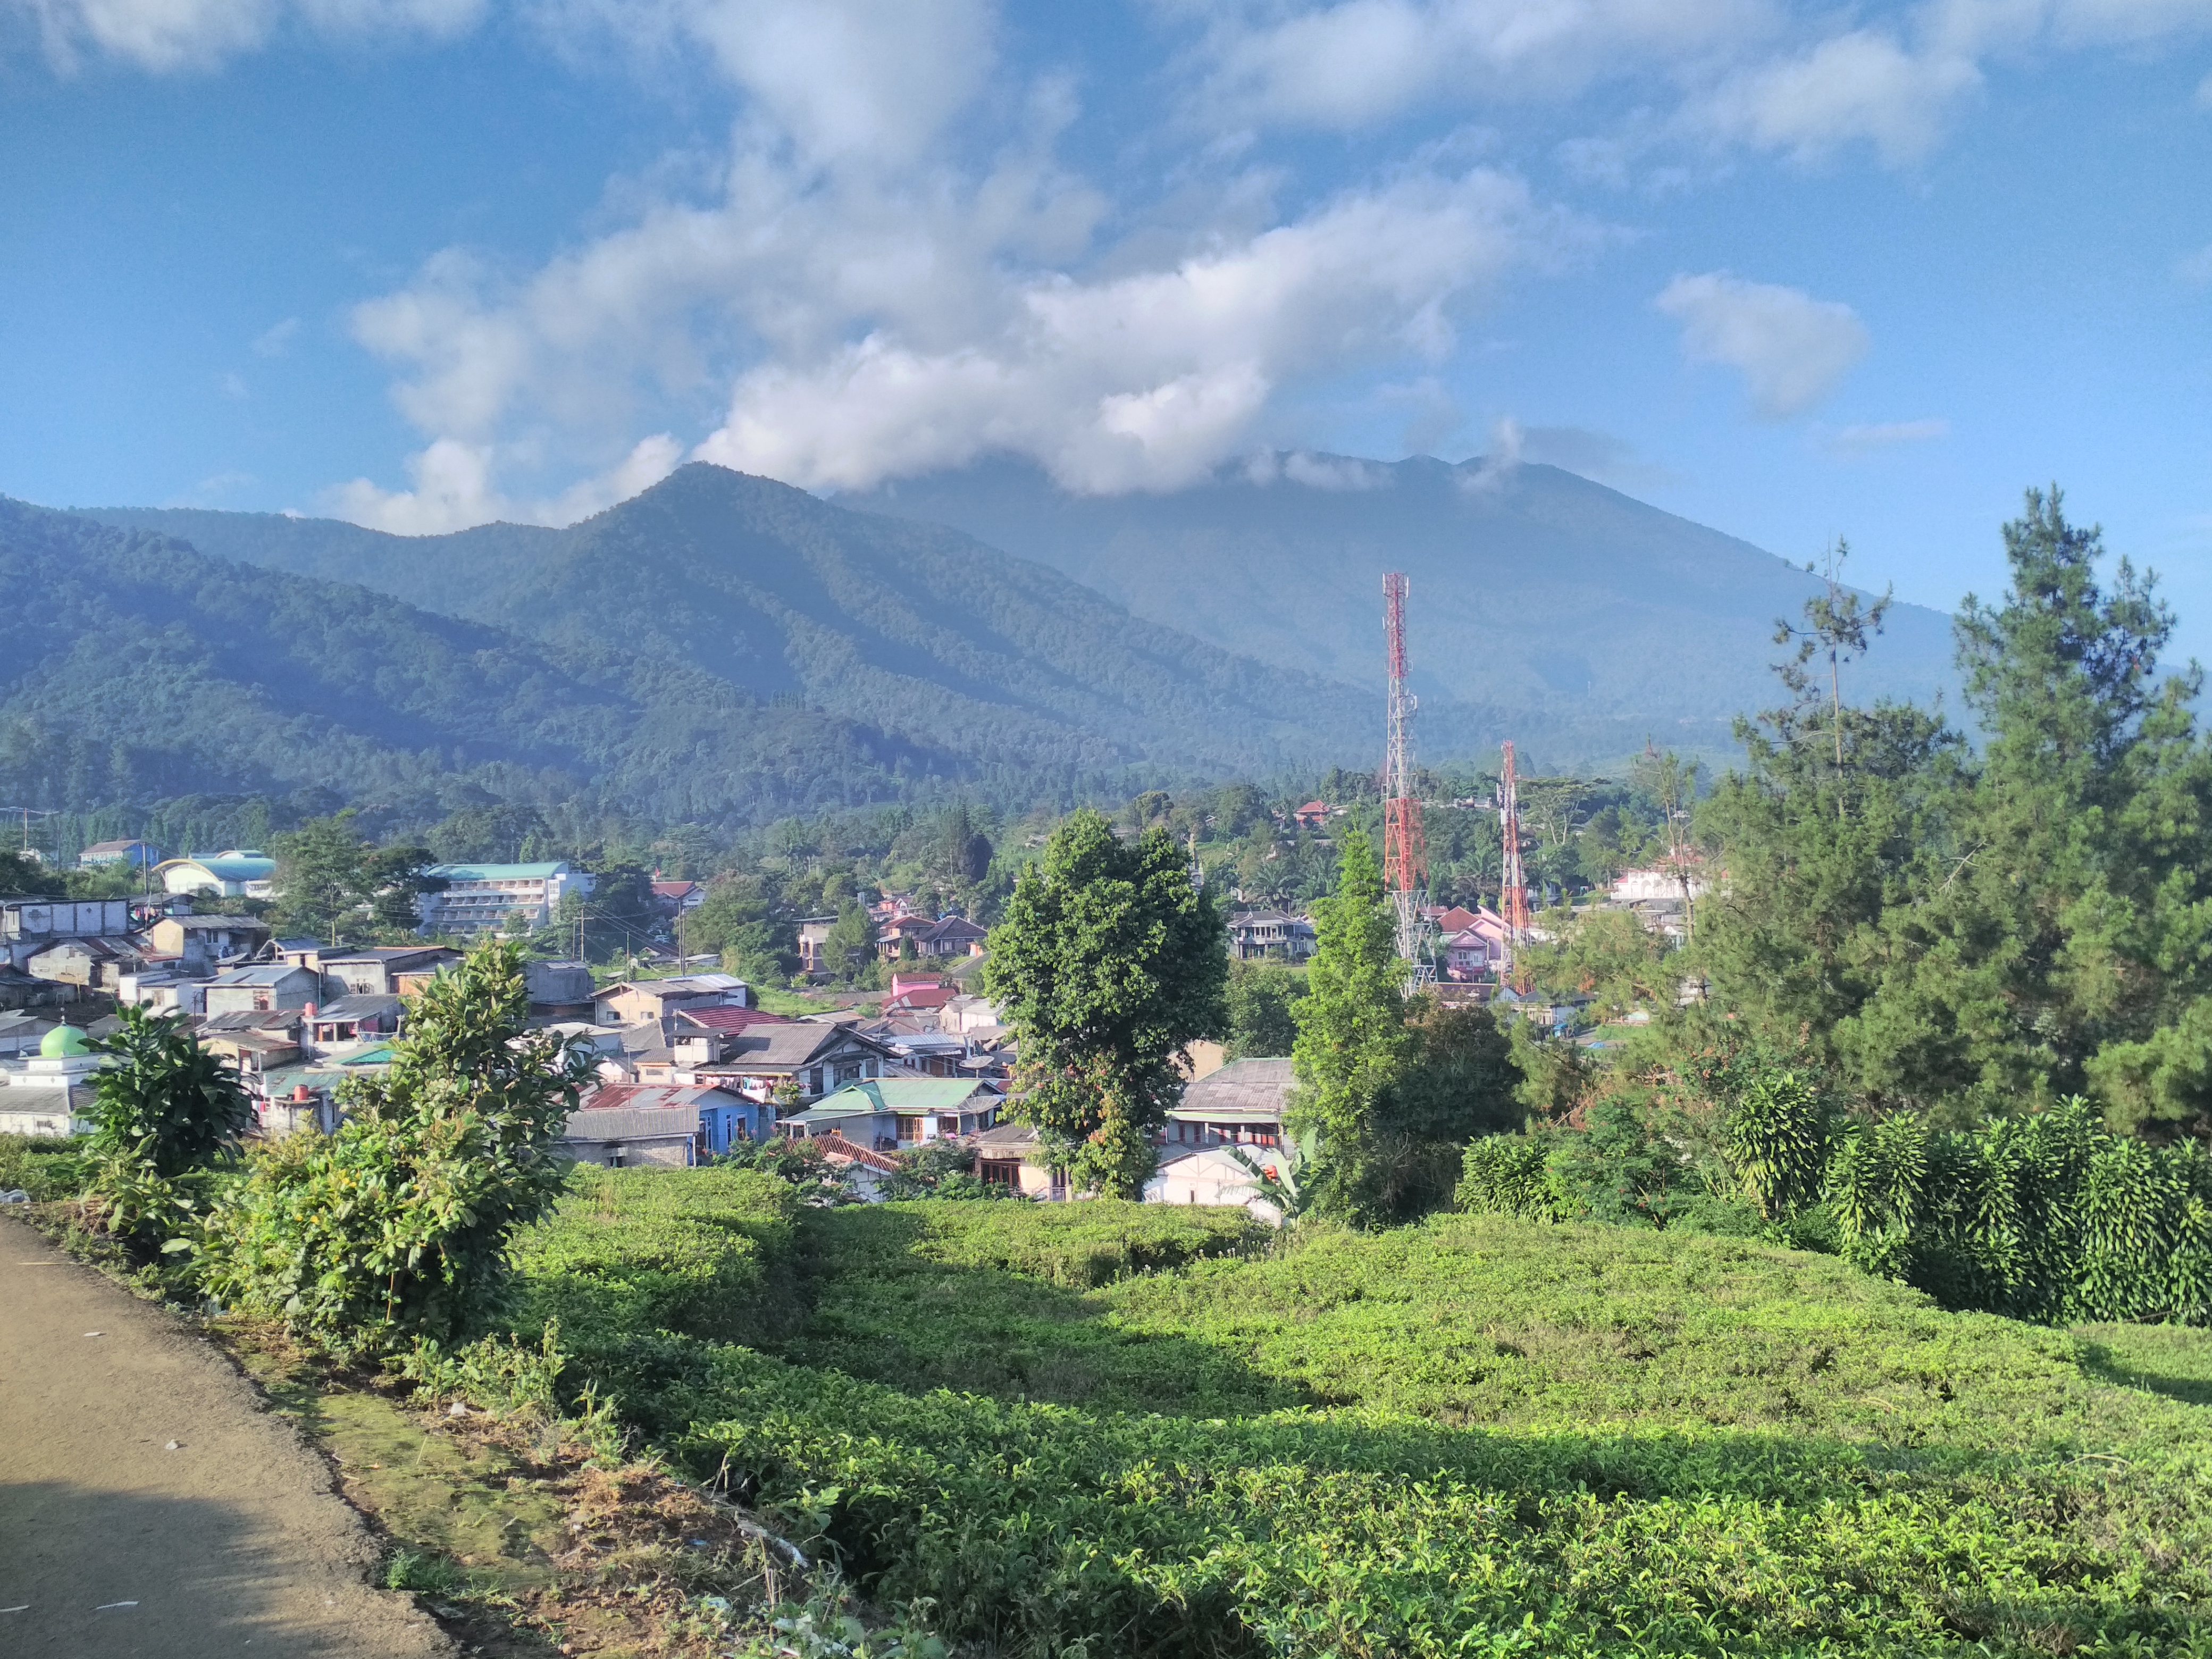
column 725, row 648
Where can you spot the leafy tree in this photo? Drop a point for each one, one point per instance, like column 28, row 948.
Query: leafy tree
column 166, row 1099
column 1262, row 998
column 396, row 879
column 850, row 947
column 736, row 921
column 1353, row 1043
column 398, row 1225
column 23, row 876
column 1108, row 966
column 320, row 880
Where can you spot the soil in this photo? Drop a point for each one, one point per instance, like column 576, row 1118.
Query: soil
column 149, row 1503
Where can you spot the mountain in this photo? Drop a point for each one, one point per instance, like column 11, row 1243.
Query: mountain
column 139, row 668
column 912, row 629
column 1534, row 592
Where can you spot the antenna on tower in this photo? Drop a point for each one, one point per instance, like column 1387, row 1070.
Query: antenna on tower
column 1513, row 886
column 1405, row 849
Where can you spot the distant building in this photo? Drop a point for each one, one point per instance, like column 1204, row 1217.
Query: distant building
column 51, row 1095
column 1243, row 1102
column 1661, row 883
column 1271, row 936
column 205, row 941
column 804, row 1058
column 480, row 898
column 1312, row 815
column 888, row 1113
column 271, row 986
column 952, row 936
column 618, row 1138
column 391, row 970
column 634, row 1002
column 238, row 873
column 719, row 1118
column 671, row 897
column 1472, row 945
column 138, row 854
column 813, row 942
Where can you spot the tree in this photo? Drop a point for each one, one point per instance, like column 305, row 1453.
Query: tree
column 1353, row 1043
column 165, row 1100
column 1108, row 966
column 396, row 879
column 1262, row 996
column 319, row 877
column 850, row 946
column 398, row 1225
column 734, row 920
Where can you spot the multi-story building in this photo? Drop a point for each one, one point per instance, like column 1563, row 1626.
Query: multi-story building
column 478, row 897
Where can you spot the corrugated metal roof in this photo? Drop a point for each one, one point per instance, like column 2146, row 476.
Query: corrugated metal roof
column 600, row 1125
column 915, row 1093
column 497, row 872
column 1256, row 1087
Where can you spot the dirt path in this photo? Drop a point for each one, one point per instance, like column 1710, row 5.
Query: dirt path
column 116, row 1541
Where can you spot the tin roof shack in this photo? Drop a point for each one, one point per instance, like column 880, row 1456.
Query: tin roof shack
column 271, row 985
column 49, row 1095
column 205, row 942
column 619, row 1138
column 399, row 970
column 85, row 962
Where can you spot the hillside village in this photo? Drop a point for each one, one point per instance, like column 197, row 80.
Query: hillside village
column 686, row 1063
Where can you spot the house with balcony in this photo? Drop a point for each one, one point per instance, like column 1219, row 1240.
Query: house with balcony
column 479, row 898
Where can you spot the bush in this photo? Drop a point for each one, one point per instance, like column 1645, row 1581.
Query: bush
column 398, row 1225
column 43, row 1168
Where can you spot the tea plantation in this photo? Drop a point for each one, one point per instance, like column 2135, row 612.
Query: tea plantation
column 1121, row 1430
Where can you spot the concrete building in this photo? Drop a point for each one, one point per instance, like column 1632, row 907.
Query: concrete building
column 239, row 873
column 138, row 854
column 480, row 898
column 32, row 927
column 271, row 986
column 49, row 1095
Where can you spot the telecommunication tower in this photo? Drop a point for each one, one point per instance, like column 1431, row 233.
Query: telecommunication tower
column 1513, row 887
column 1405, row 849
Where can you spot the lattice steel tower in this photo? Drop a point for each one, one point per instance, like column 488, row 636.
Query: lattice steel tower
column 1513, row 887
column 1405, row 849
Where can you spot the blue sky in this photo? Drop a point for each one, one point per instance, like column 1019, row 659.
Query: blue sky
column 1795, row 271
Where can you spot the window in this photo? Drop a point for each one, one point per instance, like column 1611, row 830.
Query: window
column 909, row 1129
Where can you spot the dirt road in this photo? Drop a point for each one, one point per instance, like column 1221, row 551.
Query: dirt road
column 150, row 1507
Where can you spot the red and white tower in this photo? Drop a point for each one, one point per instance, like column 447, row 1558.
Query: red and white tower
column 1405, row 849
column 1513, row 887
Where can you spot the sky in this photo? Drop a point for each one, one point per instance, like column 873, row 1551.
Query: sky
column 1798, row 271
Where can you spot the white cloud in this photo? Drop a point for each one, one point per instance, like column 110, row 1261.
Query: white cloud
column 1888, row 435
column 165, row 35
column 1860, row 85
column 1793, row 349
column 454, row 488
column 1148, row 381
column 272, row 342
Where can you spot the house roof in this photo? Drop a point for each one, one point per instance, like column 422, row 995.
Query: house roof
column 389, row 956
column 922, row 996
column 786, row 1048
column 268, row 974
column 674, row 888
column 251, row 1019
column 829, row 1113
column 113, row 847
column 233, row 865
column 217, row 924
column 910, row 1094
column 690, row 985
column 1002, row 1139
column 842, row 1150
column 1256, row 1088
column 957, row 928
column 596, row 1124
column 731, row 1019
column 358, row 1007
column 658, row 1096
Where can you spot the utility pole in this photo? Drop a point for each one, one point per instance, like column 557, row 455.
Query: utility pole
column 27, row 813
column 1405, row 847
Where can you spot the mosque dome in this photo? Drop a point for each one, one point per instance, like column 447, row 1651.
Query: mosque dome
column 62, row 1042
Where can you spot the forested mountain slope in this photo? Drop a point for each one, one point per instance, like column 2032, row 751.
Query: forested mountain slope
column 917, row 631
column 1533, row 589
column 137, row 668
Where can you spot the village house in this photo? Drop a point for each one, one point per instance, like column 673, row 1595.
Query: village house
column 672, row 898
column 813, row 940
column 635, row 1002
column 886, row 1114
column 1271, row 935
column 237, row 873
column 618, row 1139
column 480, row 898
column 951, row 936
column 391, row 970
column 1241, row 1102
column 270, row 986
column 1005, row 1155
column 721, row 1118
column 802, row 1060
column 84, row 961
column 32, row 927
column 1472, row 944
column 348, row 1020
column 1662, row 882
column 206, row 941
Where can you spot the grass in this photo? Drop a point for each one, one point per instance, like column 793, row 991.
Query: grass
column 1121, row 1430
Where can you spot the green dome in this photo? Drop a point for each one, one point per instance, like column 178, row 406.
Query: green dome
column 62, row 1042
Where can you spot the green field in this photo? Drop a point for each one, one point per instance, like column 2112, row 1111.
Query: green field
column 1112, row 1429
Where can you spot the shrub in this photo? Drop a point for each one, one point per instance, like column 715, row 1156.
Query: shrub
column 1505, row 1174
column 398, row 1225
column 166, row 1101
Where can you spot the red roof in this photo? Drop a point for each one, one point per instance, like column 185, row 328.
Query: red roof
column 674, row 888
column 842, row 1150
column 653, row 1097
column 733, row 1019
column 922, row 996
